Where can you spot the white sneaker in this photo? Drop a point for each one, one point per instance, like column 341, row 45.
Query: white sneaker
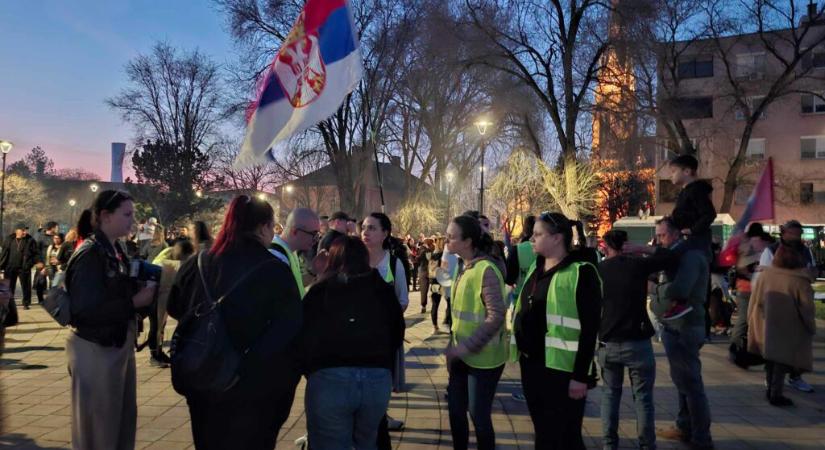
column 799, row 384
column 301, row 442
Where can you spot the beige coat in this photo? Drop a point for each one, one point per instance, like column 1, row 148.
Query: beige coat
column 781, row 318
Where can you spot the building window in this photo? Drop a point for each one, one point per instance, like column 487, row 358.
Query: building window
column 812, row 147
column 815, row 59
column 812, row 104
column 756, row 148
column 695, row 107
column 700, row 66
column 752, row 103
column 806, row 193
column 750, row 66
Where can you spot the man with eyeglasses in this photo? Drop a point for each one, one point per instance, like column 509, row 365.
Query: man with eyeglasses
column 300, row 234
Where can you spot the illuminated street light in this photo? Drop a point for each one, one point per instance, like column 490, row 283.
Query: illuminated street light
column 72, row 204
column 261, row 196
column 199, row 193
column 289, row 188
column 482, row 126
column 94, row 187
column 5, row 147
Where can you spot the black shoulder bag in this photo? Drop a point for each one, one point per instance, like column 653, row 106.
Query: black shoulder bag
column 204, row 361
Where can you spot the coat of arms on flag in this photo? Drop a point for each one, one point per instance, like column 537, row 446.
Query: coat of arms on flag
column 299, row 67
column 317, row 66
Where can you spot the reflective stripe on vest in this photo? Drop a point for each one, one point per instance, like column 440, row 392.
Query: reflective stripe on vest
column 468, row 313
column 526, row 258
column 294, row 265
column 563, row 326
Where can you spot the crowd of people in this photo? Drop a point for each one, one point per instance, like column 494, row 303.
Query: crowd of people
column 324, row 298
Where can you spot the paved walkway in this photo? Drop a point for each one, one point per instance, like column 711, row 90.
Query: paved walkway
column 35, row 389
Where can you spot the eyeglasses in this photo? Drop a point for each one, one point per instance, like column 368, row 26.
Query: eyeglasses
column 314, row 234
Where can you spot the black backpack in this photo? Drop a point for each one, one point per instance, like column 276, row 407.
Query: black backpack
column 204, row 361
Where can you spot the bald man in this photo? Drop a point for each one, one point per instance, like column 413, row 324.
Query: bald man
column 300, row 233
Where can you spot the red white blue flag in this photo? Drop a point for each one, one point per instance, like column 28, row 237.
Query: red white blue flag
column 760, row 207
column 317, row 66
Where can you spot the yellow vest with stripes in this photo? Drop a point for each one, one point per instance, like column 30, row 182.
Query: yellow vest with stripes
column 561, row 343
column 468, row 313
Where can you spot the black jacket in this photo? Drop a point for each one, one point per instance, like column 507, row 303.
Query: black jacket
column 101, row 292
column 530, row 326
column 352, row 323
column 694, row 209
column 263, row 314
column 27, row 246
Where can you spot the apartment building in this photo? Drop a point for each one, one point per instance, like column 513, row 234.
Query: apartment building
column 791, row 130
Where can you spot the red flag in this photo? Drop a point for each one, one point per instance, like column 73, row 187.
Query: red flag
column 759, row 207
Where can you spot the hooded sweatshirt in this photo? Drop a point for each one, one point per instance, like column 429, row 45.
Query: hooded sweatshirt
column 694, row 209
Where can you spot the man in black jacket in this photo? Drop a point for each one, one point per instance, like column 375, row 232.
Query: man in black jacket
column 20, row 254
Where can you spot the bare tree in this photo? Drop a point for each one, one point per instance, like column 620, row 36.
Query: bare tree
column 173, row 97
column 553, row 47
column 788, row 40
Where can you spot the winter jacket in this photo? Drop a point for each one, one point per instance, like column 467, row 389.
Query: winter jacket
column 13, row 248
column 781, row 324
column 694, row 209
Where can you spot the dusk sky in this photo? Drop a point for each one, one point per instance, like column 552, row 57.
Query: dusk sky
column 59, row 61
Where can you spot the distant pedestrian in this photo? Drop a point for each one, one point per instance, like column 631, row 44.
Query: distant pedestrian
column 157, row 319
column 20, row 254
column 337, row 227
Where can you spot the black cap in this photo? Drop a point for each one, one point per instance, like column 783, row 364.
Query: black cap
column 791, row 224
column 755, row 230
column 685, row 162
column 21, row 226
column 339, row 215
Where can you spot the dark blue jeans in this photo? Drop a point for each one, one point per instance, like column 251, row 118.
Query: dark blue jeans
column 682, row 348
column 344, row 406
column 472, row 390
column 637, row 357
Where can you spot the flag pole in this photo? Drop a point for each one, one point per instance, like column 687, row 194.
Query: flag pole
column 378, row 170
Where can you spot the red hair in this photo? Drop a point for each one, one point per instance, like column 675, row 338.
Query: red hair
column 244, row 215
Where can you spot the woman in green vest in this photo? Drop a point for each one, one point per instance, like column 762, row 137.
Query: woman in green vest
column 556, row 321
column 478, row 345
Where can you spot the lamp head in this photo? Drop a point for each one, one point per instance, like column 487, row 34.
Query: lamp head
column 261, row 196
column 72, row 203
column 6, row 146
column 482, row 126
column 94, row 187
column 289, row 188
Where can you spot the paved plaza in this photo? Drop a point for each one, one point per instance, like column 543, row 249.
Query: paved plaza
column 36, row 399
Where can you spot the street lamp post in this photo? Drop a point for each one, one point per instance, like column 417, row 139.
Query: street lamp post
column 72, row 204
column 93, row 187
column 450, row 178
column 482, row 126
column 5, row 147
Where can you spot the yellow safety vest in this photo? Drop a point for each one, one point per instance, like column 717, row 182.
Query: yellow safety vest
column 468, row 313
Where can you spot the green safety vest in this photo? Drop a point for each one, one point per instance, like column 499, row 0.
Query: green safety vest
column 390, row 276
column 563, row 327
column 526, row 258
column 294, row 264
column 468, row 313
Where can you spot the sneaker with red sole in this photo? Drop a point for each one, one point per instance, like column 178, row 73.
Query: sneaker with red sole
column 676, row 311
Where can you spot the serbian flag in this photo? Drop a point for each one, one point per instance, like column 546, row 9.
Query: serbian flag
column 759, row 207
column 315, row 69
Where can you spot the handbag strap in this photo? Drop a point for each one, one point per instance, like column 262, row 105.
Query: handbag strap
column 237, row 283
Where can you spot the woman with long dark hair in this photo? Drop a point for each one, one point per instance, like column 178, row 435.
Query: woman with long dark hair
column 201, row 237
column 100, row 351
column 478, row 345
column 262, row 313
column 352, row 328
column 555, row 327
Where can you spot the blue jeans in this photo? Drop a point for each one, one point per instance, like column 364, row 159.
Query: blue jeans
column 344, row 406
column 682, row 348
column 637, row 356
column 472, row 390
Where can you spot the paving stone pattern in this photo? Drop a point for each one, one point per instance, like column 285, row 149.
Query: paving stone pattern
column 36, row 399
